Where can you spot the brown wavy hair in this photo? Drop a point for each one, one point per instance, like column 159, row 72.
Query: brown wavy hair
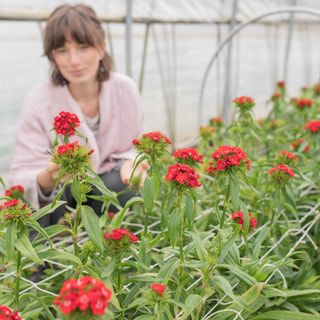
column 85, row 28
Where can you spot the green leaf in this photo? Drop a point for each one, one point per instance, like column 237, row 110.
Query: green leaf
column 59, row 255
column 96, row 181
column 24, row 245
column 36, row 226
column 253, row 299
column 227, row 289
column 109, row 268
column 167, row 269
column 51, row 231
column 201, row 251
column 91, row 224
column 189, row 210
column 174, row 227
column 258, row 241
column 245, row 218
column 285, row 315
column 192, row 302
column 75, row 189
column 44, row 306
column 231, row 240
column 45, row 210
column 148, row 193
column 10, row 240
column 234, row 191
column 118, row 218
column 249, row 280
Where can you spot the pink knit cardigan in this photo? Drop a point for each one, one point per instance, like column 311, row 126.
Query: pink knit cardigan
column 121, row 120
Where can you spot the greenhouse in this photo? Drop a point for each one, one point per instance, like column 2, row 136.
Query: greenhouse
column 160, row 159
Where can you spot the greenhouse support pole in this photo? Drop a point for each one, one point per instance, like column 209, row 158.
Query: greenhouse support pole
column 226, row 98
column 128, row 37
column 287, row 54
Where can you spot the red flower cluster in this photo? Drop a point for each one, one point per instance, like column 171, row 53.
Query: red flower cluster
column 276, row 96
column 286, row 157
column 226, row 158
column 281, row 84
column 244, row 102
column 188, row 156
column 118, row 241
column 238, row 217
column 281, row 173
column 66, row 123
column 302, row 102
column 312, row 125
column 14, row 210
column 119, row 234
column 159, row 288
column 296, row 145
column 72, row 157
column 183, row 174
column 15, row 192
column 152, row 143
column 216, row 122
column 85, row 296
column 7, row 314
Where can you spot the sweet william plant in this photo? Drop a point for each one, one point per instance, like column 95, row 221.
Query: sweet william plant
column 205, row 238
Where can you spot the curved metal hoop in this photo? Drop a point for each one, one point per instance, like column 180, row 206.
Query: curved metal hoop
column 234, row 32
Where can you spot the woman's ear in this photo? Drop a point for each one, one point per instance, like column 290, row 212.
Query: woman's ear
column 102, row 50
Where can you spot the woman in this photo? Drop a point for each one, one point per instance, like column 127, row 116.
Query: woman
column 108, row 105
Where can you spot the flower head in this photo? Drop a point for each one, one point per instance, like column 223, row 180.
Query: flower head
column 152, row 143
column 72, row 157
column 302, row 103
column 7, row 314
column 238, row 218
column 281, row 84
column 188, row 156
column 286, row 157
column 206, row 132
column 159, row 288
column 85, row 296
column 244, row 103
column 14, row 210
column 216, row 122
column 316, row 89
column 296, row 145
column 181, row 176
column 65, row 123
column 276, row 96
column 118, row 241
column 281, row 173
column 15, row 192
column 312, row 125
column 226, row 158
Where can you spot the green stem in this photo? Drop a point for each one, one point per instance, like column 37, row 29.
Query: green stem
column 225, row 205
column 119, row 289
column 75, row 230
column 17, row 288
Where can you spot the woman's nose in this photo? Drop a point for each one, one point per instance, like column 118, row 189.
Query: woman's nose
column 74, row 57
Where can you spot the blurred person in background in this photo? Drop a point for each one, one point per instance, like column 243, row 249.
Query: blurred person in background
column 107, row 104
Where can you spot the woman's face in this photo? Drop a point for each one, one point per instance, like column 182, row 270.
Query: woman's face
column 78, row 63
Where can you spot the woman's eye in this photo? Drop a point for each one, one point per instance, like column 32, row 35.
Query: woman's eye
column 61, row 50
column 84, row 46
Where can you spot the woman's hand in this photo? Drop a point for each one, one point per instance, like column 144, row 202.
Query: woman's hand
column 126, row 170
column 47, row 178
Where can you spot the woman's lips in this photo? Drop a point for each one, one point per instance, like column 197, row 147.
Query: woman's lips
column 77, row 72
